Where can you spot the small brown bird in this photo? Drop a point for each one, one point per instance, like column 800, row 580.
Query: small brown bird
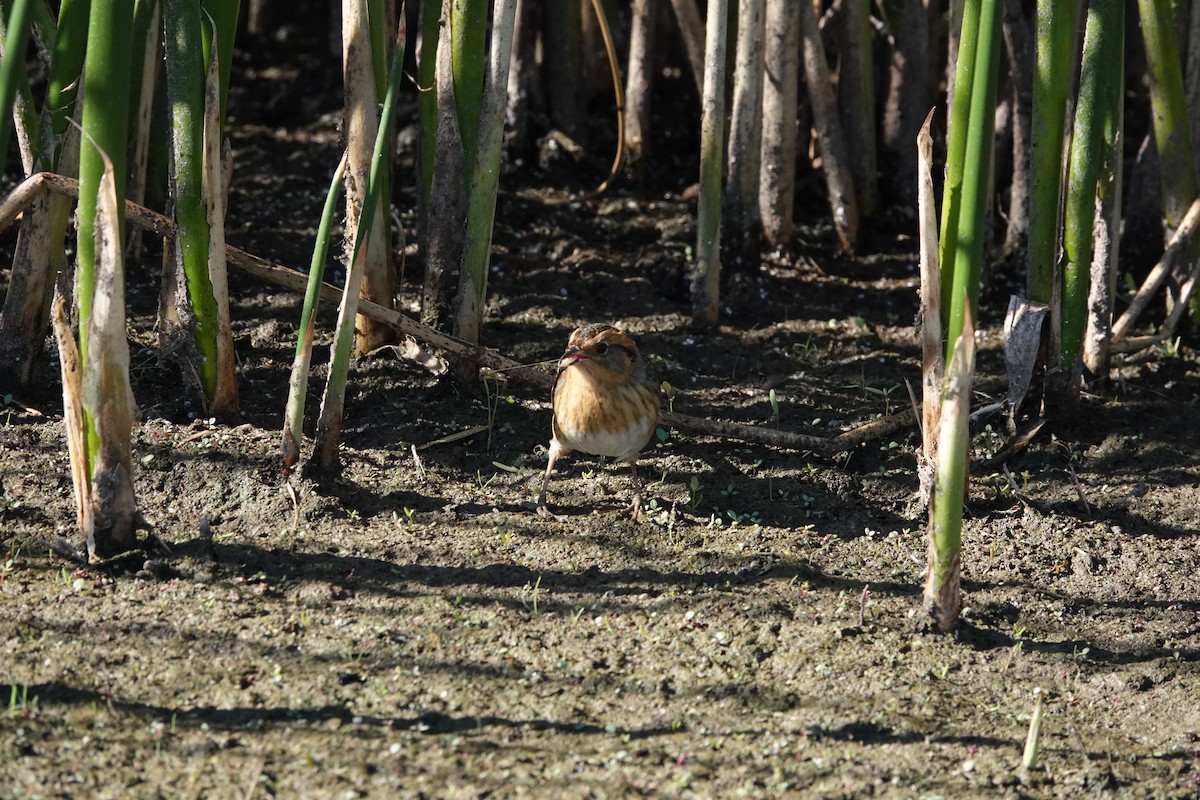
column 603, row 403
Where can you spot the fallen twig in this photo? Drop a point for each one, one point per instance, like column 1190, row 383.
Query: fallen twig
column 454, row 437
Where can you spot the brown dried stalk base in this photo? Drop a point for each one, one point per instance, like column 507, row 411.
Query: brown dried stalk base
column 943, row 603
column 113, row 517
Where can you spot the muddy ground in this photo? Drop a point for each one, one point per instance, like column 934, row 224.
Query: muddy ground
column 412, row 629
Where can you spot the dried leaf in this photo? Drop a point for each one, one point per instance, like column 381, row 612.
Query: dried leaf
column 1016, row 444
column 411, row 350
column 1022, row 339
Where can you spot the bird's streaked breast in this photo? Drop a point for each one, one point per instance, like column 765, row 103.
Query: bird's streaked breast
column 615, row 422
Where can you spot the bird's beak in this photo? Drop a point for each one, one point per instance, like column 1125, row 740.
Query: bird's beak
column 573, row 356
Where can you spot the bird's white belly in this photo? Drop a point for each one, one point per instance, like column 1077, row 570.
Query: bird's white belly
column 619, row 444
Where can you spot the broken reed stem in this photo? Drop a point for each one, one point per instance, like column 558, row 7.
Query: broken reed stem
column 27, row 191
column 943, row 595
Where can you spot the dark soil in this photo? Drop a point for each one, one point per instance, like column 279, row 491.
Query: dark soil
column 411, row 628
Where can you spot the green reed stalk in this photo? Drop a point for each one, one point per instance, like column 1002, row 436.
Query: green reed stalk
column 100, row 415
column 468, row 49
column 12, row 65
column 857, row 100
column 974, row 105
column 1054, row 55
column 184, row 51
column 1168, row 104
column 962, row 242
column 485, row 177
column 24, row 117
column 378, row 22
column 147, row 41
column 45, row 26
column 1094, row 133
column 66, row 64
column 956, row 149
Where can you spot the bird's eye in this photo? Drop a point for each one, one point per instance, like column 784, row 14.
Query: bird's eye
column 601, row 348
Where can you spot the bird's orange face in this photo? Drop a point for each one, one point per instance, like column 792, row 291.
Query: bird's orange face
column 605, row 353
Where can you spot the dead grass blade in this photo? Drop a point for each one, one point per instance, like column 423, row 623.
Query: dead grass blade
column 930, row 312
column 225, row 398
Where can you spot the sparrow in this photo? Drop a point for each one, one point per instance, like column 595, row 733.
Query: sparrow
column 603, row 403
